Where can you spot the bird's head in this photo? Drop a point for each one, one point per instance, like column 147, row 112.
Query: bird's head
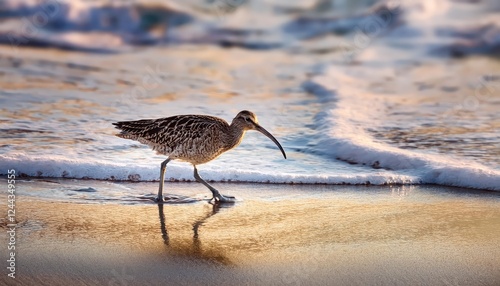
column 247, row 120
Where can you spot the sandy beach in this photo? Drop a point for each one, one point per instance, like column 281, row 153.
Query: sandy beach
column 273, row 235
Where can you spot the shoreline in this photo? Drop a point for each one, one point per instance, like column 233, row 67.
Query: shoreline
column 282, row 235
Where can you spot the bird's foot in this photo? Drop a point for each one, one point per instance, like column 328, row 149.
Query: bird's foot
column 224, row 199
column 159, row 200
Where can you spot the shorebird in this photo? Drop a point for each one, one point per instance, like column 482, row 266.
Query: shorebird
column 196, row 139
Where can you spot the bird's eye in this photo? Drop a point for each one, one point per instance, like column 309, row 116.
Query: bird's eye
column 247, row 119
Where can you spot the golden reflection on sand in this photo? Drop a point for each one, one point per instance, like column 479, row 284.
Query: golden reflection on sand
column 398, row 236
column 245, row 233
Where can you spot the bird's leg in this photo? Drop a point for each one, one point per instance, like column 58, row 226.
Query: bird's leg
column 163, row 165
column 216, row 195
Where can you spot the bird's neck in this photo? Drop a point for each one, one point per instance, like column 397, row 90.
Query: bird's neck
column 235, row 135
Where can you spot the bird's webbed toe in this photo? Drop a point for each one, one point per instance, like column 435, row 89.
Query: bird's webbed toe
column 224, row 199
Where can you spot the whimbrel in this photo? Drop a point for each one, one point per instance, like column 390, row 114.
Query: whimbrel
column 196, row 139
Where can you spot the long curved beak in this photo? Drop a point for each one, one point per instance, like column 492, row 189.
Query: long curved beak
column 264, row 131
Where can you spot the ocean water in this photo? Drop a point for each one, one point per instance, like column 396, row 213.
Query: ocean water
column 357, row 92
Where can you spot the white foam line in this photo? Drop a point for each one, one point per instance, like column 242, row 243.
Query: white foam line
column 55, row 166
column 344, row 137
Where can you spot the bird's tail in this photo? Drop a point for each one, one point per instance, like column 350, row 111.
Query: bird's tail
column 133, row 129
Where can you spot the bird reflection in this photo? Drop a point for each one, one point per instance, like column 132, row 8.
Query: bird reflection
column 196, row 249
column 164, row 233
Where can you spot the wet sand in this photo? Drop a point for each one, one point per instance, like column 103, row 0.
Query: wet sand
column 274, row 235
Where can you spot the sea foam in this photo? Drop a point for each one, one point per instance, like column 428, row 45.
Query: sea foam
column 343, row 125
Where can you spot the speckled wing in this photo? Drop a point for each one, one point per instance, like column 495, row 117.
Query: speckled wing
column 177, row 134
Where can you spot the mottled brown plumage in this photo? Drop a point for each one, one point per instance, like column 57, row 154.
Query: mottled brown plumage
column 196, row 139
